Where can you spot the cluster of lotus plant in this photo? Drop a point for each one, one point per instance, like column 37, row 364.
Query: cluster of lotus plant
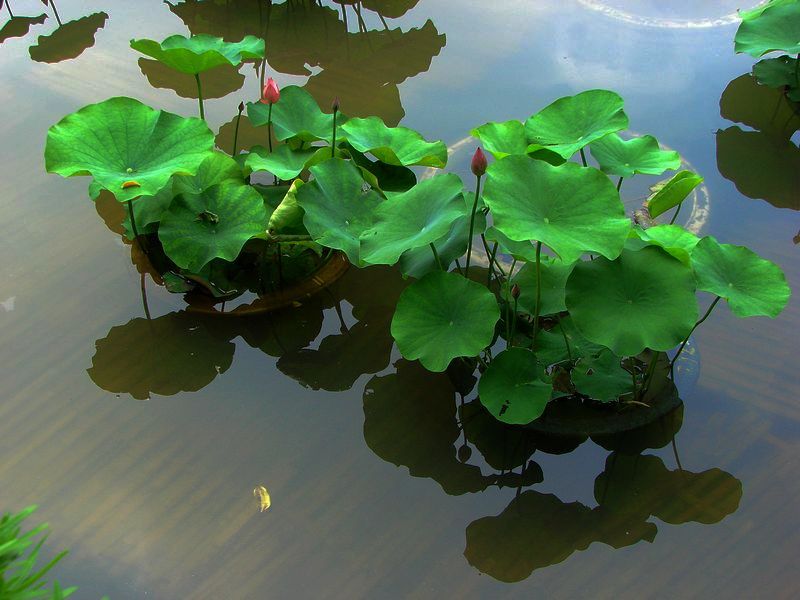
column 773, row 27
column 573, row 298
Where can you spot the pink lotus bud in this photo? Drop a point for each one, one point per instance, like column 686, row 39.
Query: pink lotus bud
column 241, row 106
column 479, row 163
column 271, row 93
column 515, row 291
column 335, row 105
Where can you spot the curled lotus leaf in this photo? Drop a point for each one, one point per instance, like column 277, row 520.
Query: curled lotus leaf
column 672, row 238
column 625, row 158
column 512, row 388
column 129, row 148
column 776, row 28
column 398, row 146
column 643, row 299
column 502, row 139
column 199, row 53
column 197, row 228
column 572, row 122
column 283, row 162
column 444, row 316
column 297, row 115
column 753, row 286
column 670, row 193
column 571, row 209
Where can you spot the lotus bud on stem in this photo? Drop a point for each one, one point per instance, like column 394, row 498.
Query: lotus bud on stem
column 270, row 95
column 335, row 107
column 478, row 168
column 236, row 129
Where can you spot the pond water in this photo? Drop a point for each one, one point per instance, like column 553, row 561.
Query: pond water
column 142, row 442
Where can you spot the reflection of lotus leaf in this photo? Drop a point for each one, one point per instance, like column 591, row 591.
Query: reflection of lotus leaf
column 19, row 26
column 69, row 40
column 217, row 82
column 759, row 107
column 171, row 354
column 391, row 9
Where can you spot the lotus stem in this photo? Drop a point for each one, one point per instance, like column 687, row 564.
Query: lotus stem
column 675, row 452
column 236, row 133
column 675, row 216
column 583, row 158
column 280, row 268
column 133, row 219
column 493, row 259
column 200, row 96
column 696, row 325
column 513, row 323
column 633, row 379
column 436, row 257
column 538, row 292
column 651, row 369
column 490, row 256
column 269, row 128
column 144, row 297
column 472, row 223
column 333, row 137
column 619, row 183
column 55, row 12
column 566, row 340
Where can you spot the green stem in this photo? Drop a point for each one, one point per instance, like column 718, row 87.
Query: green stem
column 200, row 96
column 583, row 158
column 236, row 134
column 566, row 340
column 675, row 216
column 269, row 128
column 651, row 369
column 538, row 291
column 144, row 297
column 633, row 379
column 133, row 220
column 514, row 322
column 333, row 137
column 472, row 222
column 619, row 183
column 696, row 325
column 436, row 257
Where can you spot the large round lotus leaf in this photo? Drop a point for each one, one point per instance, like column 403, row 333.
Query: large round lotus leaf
column 554, row 279
column 570, row 123
column 296, row 115
column 628, row 157
column 776, row 28
column 413, row 219
column 752, row 13
column 672, row 238
column 643, row 299
column 337, row 210
column 443, row 316
column 512, row 388
column 781, row 73
column 129, row 148
column 283, row 162
column 571, row 209
column 198, row 228
column 200, row 53
column 752, row 285
column 602, row 377
column 215, row 168
column 398, row 146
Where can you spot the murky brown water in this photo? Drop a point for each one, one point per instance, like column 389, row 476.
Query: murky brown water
column 359, row 450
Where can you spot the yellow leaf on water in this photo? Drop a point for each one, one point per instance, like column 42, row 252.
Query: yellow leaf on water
column 261, row 493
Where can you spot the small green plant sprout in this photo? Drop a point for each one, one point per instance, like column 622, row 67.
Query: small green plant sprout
column 200, row 53
column 768, row 28
column 20, row 577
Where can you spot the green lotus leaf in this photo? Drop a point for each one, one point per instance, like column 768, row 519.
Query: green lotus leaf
column 570, row 123
column 628, row 157
column 383, row 177
column 283, row 162
column 443, row 316
column 397, row 146
column 745, row 15
column 217, row 223
column 200, row 53
column 643, row 299
column 781, row 73
column 554, row 280
column 148, row 210
column 512, row 388
column 571, row 209
column 674, row 239
column 296, row 115
column 287, row 215
column 216, row 168
column 519, row 250
column 337, row 210
column 502, row 139
column 752, row 285
column 669, row 194
column 776, row 28
column 413, row 219
column 602, row 377
column 129, row 148
column 551, row 347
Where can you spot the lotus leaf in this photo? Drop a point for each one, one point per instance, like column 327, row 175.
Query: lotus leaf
column 669, row 194
column 643, row 299
column 628, row 157
column 129, row 148
column 512, row 388
column 752, row 285
column 756, row 11
column 217, row 223
column 760, row 107
column 397, row 146
column 602, row 377
column 337, row 210
column 200, row 53
column 383, row 177
column 502, row 139
column 283, row 162
column 519, row 250
column 444, row 316
column 672, row 238
column 296, row 115
column 570, row 123
column 569, row 208
column 551, row 347
column 215, row 168
column 287, row 216
column 782, row 73
column 148, row 210
column 777, row 27
column 554, row 279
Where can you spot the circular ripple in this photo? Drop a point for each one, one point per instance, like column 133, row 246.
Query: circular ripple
column 684, row 14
